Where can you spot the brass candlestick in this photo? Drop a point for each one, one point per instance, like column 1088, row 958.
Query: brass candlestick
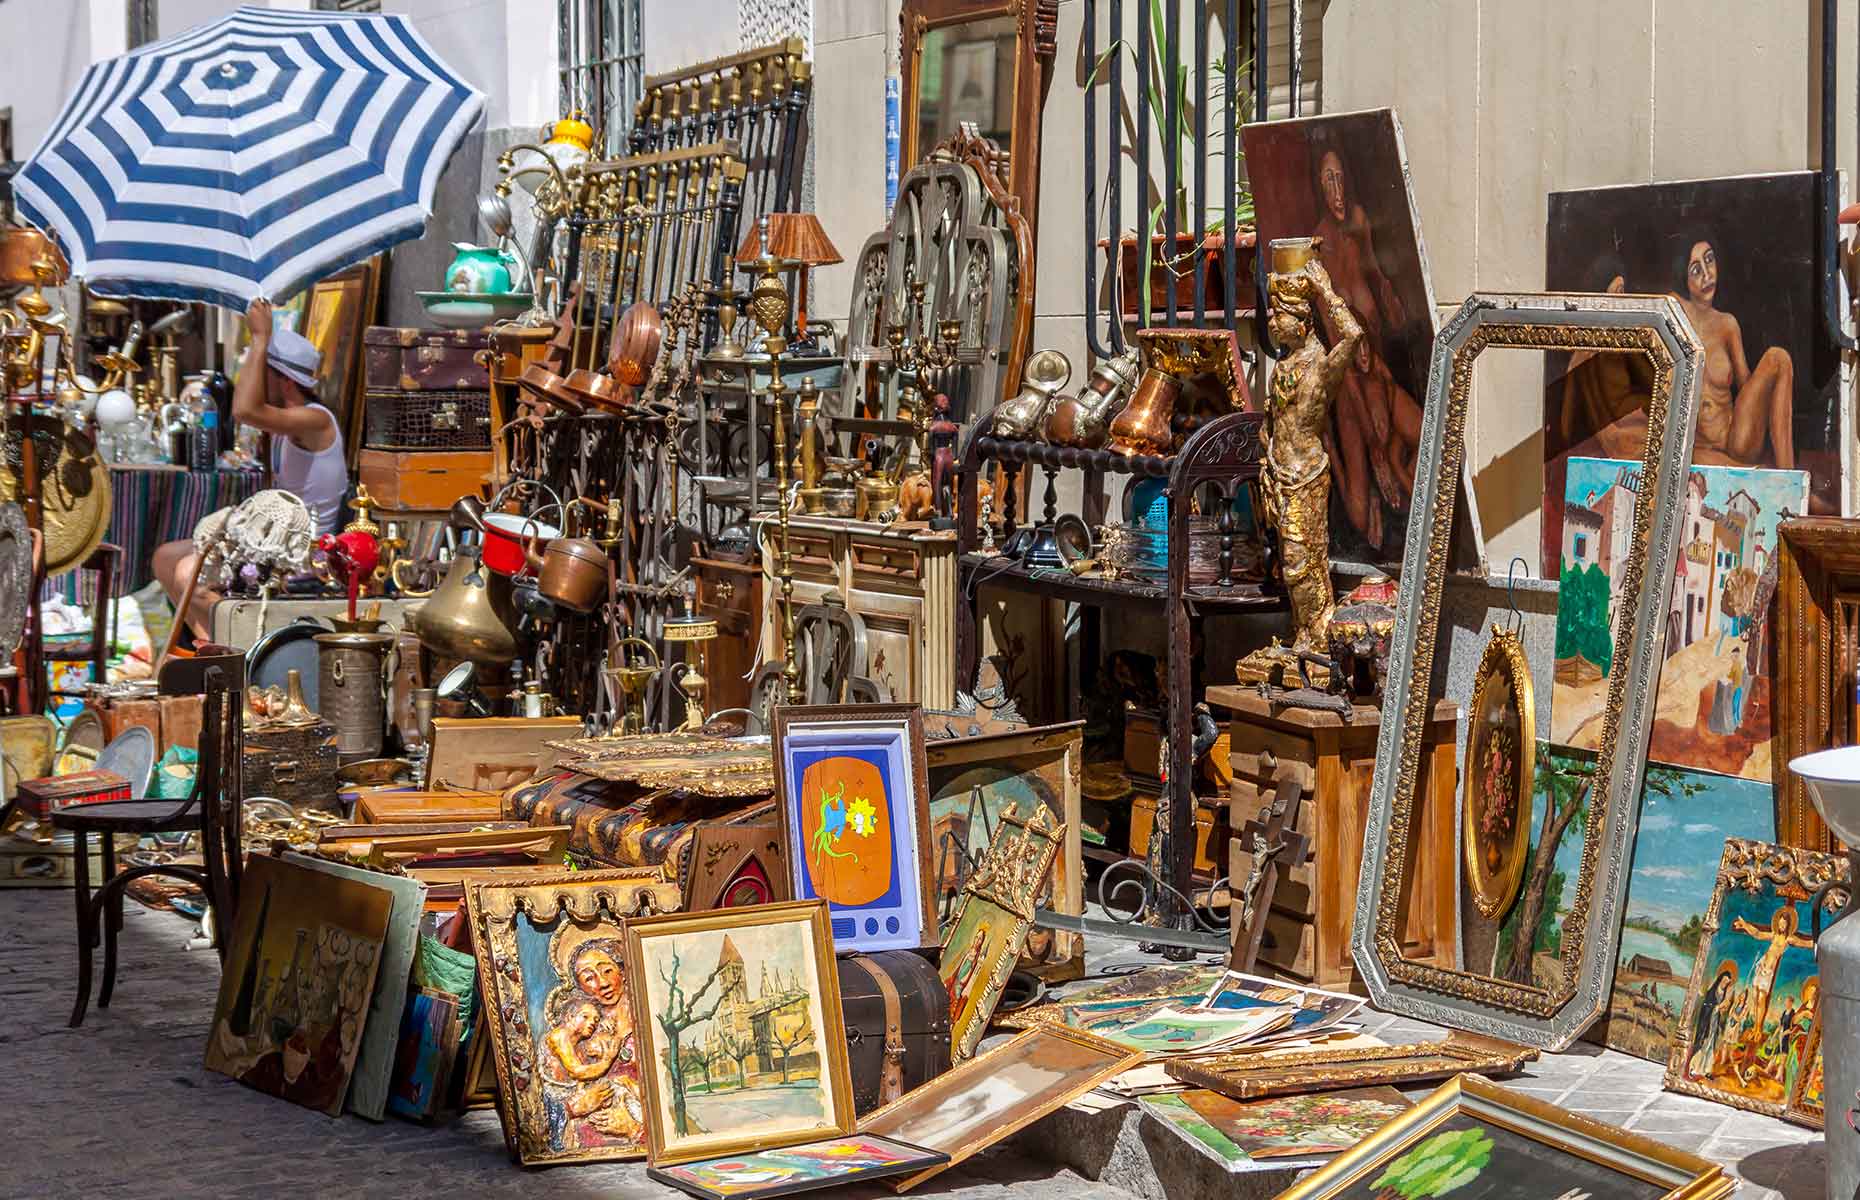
column 806, row 408
column 768, row 305
column 696, row 631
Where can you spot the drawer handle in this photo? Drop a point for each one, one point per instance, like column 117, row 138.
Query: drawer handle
column 725, row 589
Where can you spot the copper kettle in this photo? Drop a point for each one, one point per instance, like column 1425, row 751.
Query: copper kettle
column 571, row 571
column 1144, row 427
column 465, row 617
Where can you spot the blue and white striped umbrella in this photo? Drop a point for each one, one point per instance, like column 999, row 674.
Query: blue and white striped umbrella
column 248, row 157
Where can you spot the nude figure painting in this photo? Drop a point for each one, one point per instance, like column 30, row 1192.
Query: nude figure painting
column 1343, row 179
column 1740, row 256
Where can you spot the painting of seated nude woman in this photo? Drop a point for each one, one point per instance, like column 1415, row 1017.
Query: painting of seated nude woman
column 1740, row 257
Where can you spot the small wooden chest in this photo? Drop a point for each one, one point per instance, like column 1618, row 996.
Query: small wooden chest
column 423, row 480
column 1308, row 925
column 897, row 1024
column 40, row 798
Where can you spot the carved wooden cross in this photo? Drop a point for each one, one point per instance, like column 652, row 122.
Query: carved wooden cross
column 1275, row 846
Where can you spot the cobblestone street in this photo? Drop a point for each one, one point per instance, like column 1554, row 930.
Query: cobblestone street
column 122, row 1108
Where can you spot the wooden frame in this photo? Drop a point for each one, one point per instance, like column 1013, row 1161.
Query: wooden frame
column 578, row 900
column 1095, row 1062
column 1779, row 875
column 906, row 1160
column 1252, row 1075
column 829, row 1034
column 1639, row 1159
column 1035, row 42
column 871, row 924
column 1026, row 750
column 1818, row 570
column 336, row 310
column 1575, row 991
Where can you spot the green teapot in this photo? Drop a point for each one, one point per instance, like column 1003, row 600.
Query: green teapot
column 483, row 270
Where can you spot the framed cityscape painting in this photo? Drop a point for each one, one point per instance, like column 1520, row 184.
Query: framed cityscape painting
column 1478, row 1141
column 298, row 982
column 853, row 802
column 742, row 1043
column 1750, row 1033
column 551, row 959
column 1714, row 699
column 1685, row 816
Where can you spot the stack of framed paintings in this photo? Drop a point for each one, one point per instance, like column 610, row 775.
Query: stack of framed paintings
column 551, row 957
column 852, row 802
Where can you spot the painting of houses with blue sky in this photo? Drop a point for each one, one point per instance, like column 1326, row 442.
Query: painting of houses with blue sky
column 1713, row 702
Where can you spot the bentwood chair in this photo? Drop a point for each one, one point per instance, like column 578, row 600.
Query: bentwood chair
column 211, row 810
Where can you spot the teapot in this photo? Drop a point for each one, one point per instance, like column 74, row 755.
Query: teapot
column 464, row 619
column 483, row 270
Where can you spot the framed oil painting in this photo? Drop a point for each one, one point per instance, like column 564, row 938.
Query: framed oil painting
column 995, row 1095
column 1714, row 701
column 1501, row 758
column 298, row 982
column 856, row 1158
column 1817, row 661
column 1749, row 1035
column 743, row 1046
column 1318, row 1123
column 424, row 1059
column 1257, row 1074
column 336, row 312
column 1475, row 1140
column 551, row 961
column 853, row 804
column 1740, row 255
column 985, row 940
column 972, row 781
column 1343, row 179
column 1685, row 817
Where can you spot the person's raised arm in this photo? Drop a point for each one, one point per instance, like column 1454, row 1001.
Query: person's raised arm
column 250, row 406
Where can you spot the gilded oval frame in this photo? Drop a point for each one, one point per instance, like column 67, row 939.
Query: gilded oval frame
column 1438, row 990
column 1503, row 678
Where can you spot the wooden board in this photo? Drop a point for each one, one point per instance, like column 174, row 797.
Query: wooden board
column 494, row 752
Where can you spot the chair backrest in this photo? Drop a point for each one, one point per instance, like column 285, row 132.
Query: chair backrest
column 218, row 788
column 830, row 649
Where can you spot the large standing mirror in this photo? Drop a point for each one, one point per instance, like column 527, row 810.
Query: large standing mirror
column 982, row 63
column 1555, row 681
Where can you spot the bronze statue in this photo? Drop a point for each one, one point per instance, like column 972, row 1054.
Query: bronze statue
column 1297, row 474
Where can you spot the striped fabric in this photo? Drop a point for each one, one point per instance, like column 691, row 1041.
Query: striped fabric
column 248, row 157
column 150, row 505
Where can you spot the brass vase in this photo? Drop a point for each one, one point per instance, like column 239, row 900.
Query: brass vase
column 1144, row 425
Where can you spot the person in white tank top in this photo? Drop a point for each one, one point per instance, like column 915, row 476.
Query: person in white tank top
column 306, row 443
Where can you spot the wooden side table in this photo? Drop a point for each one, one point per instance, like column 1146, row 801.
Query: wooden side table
column 1308, row 925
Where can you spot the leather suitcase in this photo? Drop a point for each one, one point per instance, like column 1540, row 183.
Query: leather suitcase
column 897, row 1024
column 240, row 623
column 423, row 480
column 396, row 359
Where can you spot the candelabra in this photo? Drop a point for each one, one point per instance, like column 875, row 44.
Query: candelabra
column 768, row 305
column 927, row 362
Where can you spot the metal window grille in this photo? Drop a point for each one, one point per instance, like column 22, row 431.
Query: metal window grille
column 601, row 65
column 348, row 5
column 142, row 22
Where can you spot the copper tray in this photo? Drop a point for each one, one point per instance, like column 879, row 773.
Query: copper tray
column 540, row 383
column 635, row 343
column 596, row 390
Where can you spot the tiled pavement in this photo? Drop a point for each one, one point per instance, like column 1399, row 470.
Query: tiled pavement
column 123, row 1108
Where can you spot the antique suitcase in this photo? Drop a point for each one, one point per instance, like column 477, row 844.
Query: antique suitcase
column 422, row 480
column 40, row 798
column 395, row 359
column 297, row 766
column 897, row 1024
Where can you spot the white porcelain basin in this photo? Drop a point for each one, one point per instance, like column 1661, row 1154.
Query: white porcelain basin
column 1833, row 781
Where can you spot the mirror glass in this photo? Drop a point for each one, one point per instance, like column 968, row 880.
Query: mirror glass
column 965, row 72
column 1532, row 681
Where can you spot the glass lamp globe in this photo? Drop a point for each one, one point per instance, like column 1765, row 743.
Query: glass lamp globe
column 115, row 409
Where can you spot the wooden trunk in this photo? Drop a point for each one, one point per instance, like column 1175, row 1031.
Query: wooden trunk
column 423, row 481
column 897, row 1032
column 1308, row 925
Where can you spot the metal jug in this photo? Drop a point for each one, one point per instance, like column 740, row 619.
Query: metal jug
column 351, row 673
column 464, row 617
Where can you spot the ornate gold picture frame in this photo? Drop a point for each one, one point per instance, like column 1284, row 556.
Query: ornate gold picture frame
column 551, row 969
column 1501, row 760
column 1250, row 1075
column 990, row 930
column 1551, row 1004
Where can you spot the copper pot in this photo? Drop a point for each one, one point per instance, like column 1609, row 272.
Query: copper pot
column 544, row 385
column 596, row 390
column 635, row 344
column 1084, row 421
column 1143, row 427
column 20, row 249
column 462, row 620
column 571, row 572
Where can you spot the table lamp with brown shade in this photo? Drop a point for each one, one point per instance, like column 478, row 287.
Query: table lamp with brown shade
column 796, row 237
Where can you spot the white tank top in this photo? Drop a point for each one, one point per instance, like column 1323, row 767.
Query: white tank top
column 317, row 478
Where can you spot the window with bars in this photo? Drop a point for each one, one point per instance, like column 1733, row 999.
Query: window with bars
column 143, row 21
column 601, row 65
column 348, row 5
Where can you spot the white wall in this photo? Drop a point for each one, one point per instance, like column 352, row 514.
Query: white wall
column 678, row 33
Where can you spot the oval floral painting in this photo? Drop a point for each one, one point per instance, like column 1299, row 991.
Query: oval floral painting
column 1500, row 759
column 846, row 830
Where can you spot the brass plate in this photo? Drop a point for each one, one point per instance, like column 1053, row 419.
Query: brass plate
column 15, row 576
column 75, row 494
column 1501, row 767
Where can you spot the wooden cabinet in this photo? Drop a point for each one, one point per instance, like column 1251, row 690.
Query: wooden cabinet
column 729, row 593
column 899, row 580
column 1308, row 925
